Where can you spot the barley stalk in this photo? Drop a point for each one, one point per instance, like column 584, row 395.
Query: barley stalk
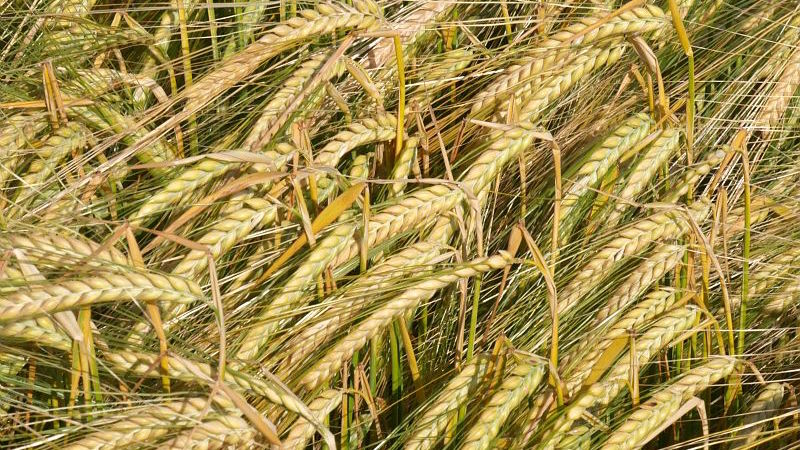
column 515, row 388
column 398, row 306
column 664, row 403
column 428, row 427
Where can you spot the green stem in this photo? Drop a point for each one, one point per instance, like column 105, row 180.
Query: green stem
column 745, row 255
column 374, row 344
column 212, row 29
column 397, row 378
column 473, row 320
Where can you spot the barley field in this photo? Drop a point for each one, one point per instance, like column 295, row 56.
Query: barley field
column 389, row 224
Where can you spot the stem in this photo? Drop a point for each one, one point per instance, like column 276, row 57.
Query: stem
column 345, row 408
column 187, row 69
column 745, row 253
column 473, row 320
column 396, row 374
column 412, row 359
column 212, row 29
column 401, row 102
column 374, row 343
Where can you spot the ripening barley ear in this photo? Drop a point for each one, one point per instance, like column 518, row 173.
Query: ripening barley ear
column 636, row 430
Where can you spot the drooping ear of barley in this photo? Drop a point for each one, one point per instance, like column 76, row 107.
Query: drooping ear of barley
column 695, row 172
column 402, row 166
column 104, row 118
column 520, row 77
column 147, row 423
column 772, row 68
column 781, row 95
column 54, row 248
column 663, row 259
column 327, row 18
column 534, row 106
column 413, row 211
column 440, row 72
column 56, row 147
column 414, row 259
column 301, row 431
column 224, row 431
column 584, row 356
column 48, row 298
column 225, row 233
column 601, row 158
column 630, row 240
column 506, row 145
column 258, row 136
column 770, row 274
column 361, row 132
column 15, row 136
column 649, row 417
column 142, row 364
column 766, row 405
column 359, row 170
column 515, row 388
column 31, row 333
column 659, row 335
column 432, row 421
column 396, row 307
column 180, row 190
column 658, row 153
column 304, row 277
column 784, row 299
